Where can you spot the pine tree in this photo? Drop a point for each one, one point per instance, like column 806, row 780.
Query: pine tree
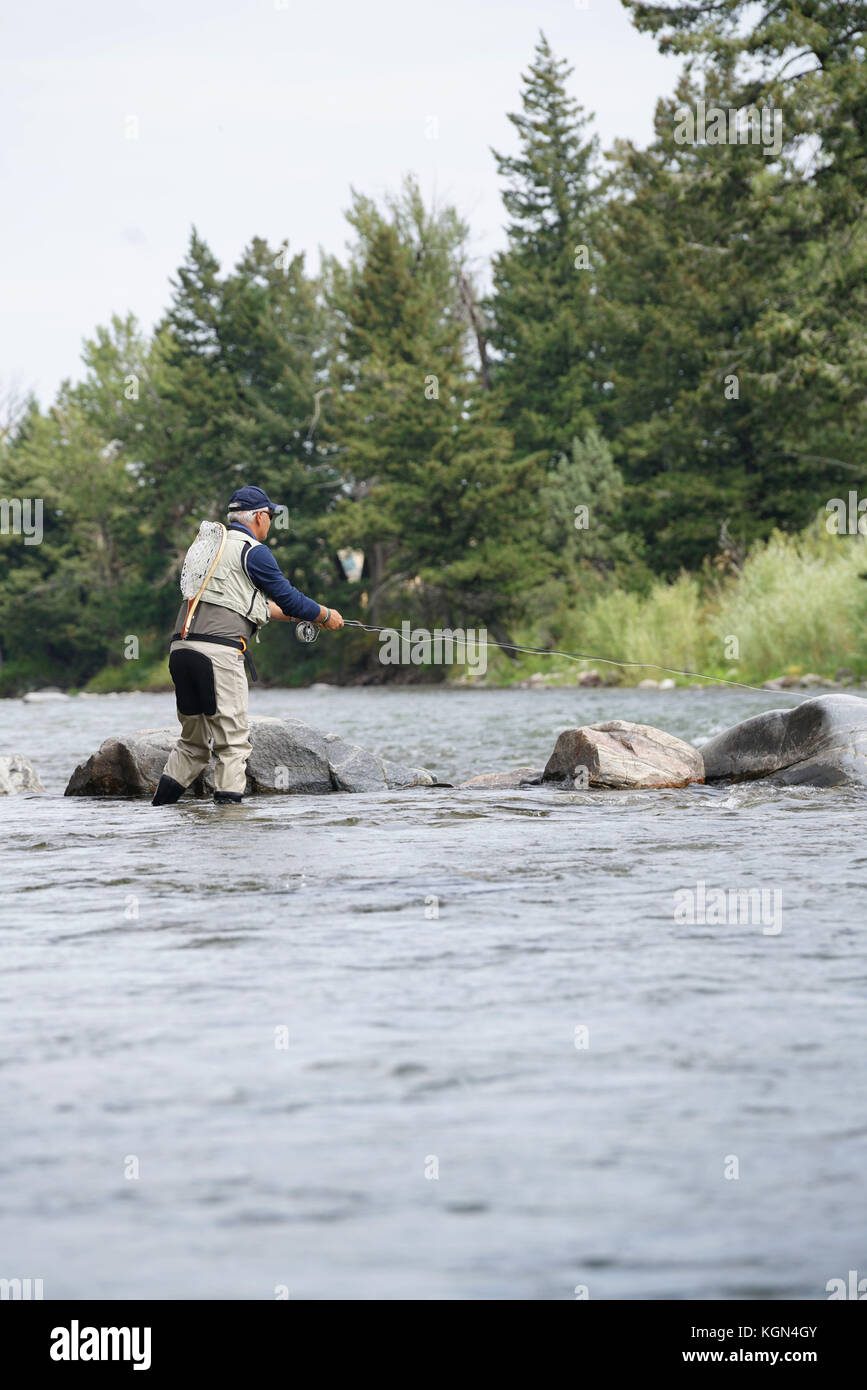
column 733, row 295
column 272, row 341
column 397, row 374
column 432, row 496
column 583, row 508
column 543, row 302
column 190, row 454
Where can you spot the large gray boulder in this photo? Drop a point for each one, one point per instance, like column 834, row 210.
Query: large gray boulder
column 621, row 754
column 821, row 742
column 18, row 775
column 288, row 756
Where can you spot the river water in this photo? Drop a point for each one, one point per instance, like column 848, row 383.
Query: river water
column 430, row 1044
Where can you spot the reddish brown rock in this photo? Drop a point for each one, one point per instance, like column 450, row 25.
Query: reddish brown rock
column 620, row 754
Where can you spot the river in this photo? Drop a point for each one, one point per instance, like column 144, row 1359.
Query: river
column 433, row 1044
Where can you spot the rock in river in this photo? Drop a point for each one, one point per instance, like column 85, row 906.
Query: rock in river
column 288, row 756
column 43, row 697
column 18, row 775
column 505, row 781
column 821, row 742
column 620, row 754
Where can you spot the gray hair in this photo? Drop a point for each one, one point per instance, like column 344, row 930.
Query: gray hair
column 245, row 518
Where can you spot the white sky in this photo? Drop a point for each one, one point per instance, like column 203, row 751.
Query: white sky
column 255, row 118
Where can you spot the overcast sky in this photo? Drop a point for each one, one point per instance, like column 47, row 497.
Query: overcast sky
column 254, row 117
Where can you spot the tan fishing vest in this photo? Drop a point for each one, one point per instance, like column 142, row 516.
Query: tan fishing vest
column 231, row 587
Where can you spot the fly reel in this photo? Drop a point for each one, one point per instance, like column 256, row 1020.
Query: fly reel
column 306, row 632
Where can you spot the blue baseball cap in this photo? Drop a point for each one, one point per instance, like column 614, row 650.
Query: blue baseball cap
column 252, row 499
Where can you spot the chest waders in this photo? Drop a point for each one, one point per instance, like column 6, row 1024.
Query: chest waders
column 207, row 671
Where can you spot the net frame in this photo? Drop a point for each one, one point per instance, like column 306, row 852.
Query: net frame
column 203, row 556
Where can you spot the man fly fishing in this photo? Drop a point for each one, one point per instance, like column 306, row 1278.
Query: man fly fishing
column 232, row 586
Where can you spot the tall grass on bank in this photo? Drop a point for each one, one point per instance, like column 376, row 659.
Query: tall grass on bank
column 798, row 605
column 664, row 628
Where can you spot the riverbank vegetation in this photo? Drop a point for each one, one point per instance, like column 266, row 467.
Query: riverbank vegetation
column 798, row 607
column 620, row 438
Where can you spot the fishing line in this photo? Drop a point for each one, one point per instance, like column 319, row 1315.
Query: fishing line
column 600, row 660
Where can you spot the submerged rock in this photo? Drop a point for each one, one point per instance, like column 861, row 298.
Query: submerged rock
column 821, row 742
column 17, row 774
column 620, row 754
column 505, row 781
column 288, row 756
column 43, row 697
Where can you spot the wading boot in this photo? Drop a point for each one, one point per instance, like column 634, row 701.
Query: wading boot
column 228, row 798
column 168, row 792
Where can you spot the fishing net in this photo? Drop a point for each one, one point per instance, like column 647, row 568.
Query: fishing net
column 200, row 557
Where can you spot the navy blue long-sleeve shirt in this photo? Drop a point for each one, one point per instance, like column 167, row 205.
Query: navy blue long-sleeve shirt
column 266, row 574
